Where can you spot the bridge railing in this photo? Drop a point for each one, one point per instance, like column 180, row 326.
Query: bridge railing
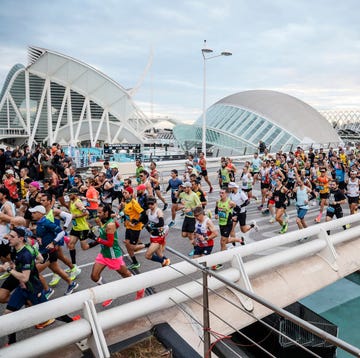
column 93, row 325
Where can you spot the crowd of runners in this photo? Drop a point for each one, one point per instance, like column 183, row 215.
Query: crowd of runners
column 47, row 206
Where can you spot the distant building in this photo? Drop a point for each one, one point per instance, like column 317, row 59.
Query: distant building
column 60, row 99
column 243, row 119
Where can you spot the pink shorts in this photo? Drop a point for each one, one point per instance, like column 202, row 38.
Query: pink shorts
column 112, row 264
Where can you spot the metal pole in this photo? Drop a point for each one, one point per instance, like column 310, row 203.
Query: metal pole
column 206, row 318
column 203, row 141
column 300, row 322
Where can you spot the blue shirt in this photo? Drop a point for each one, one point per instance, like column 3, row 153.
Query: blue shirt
column 47, row 231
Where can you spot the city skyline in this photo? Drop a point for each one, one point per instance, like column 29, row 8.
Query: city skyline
column 306, row 49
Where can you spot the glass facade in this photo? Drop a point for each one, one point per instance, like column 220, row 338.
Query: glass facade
column 233, row 130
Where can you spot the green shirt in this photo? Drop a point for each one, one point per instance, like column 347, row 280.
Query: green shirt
column 224, row 211
column 113, row 252
column 190, row 201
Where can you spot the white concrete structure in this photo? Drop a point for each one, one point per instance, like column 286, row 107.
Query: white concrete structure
column 243, row 119
column 60, row 99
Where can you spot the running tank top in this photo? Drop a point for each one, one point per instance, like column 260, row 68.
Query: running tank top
column 201, row 228
column 114, row 251
column 302, row 198
column 353, row 188
column 224, row 211
column 246, row 182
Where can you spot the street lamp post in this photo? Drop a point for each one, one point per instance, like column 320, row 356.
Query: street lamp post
column 205, row 53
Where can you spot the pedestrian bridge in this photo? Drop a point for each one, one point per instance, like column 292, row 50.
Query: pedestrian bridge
column 258, row 279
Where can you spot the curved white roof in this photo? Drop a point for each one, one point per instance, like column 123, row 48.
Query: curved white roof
column 71, row 97
column 286, row 111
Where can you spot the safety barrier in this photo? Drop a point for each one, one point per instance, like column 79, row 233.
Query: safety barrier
column 95, row 323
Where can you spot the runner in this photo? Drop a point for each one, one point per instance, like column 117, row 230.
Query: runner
column 204, row 172
column 336, row 199
column 302, row 202
column 223, row 213
column 135, row 218
column 80, row 227
column 205, row 233
column 110, row 255
column 155, row 183
column 352, row 191
column 24, row 272
column 158, row 232
column 48, row 236
column 174, row 185
column 241, row 200
column 190, row 201
column 279, row 196
column 322, row 182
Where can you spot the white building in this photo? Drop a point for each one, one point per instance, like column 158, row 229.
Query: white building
column 59, row 99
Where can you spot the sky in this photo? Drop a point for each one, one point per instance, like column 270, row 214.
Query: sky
column 309, row 49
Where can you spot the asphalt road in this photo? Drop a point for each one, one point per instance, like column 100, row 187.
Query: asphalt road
column 85, row 259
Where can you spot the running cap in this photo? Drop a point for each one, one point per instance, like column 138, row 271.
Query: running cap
column 187, row 184
column 353, row 172
column 233, row 185
column 38, row 209
column 130, row 190
column 9, row 171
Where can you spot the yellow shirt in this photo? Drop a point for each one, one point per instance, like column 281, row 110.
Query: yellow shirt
column 78, row 224
column 132, row 211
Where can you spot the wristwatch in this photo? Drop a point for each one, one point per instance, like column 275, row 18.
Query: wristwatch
column 9, row 269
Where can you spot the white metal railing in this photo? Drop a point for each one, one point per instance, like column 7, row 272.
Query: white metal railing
column 93, row 324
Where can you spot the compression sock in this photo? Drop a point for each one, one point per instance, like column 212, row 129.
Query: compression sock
column 73, row 256
column 156, row 258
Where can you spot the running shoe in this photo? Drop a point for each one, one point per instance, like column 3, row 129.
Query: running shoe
column 318, row 218
column 265, row 212
column 254, row 225
column 4, row 275
column 76, row 318
column 217, row 267
column 165, row 206
column 242, row 242
column 284, row 228
column 260, row 207
column 107, row 303
column 75, row 272
column 134, row 266
column 166, row 262
column 171, row 223
column 140, row 294
column 55, row 280
column 45, row 324
column 73, row 286
column 272, row 220
column 211, row 190
column 48, row 293
column 348, row 226
column 191, row 253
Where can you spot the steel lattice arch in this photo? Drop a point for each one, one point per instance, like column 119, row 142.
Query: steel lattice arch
column 59, row 99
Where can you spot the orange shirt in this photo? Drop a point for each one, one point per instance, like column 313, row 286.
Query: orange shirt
column 92, row 193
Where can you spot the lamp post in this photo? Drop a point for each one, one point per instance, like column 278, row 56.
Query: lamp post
column 205, row 53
